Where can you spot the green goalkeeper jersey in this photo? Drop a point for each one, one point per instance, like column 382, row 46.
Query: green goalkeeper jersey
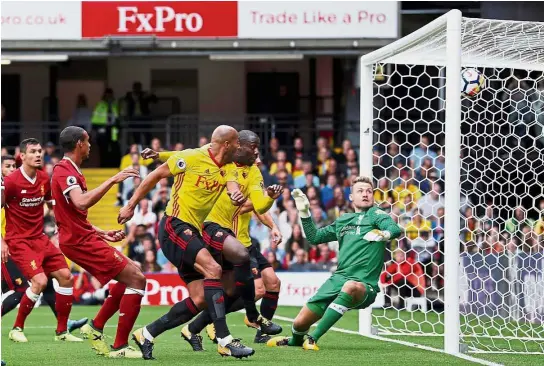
column 358, row 259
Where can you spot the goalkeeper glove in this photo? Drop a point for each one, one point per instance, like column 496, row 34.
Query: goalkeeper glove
column 377, row 235
column 301, row 202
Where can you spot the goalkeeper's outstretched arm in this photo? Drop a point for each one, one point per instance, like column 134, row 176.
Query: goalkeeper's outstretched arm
column 386, row 224
column 313, row 234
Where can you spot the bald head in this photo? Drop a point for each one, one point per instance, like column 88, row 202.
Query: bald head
column 225, row 143
column 223, row 134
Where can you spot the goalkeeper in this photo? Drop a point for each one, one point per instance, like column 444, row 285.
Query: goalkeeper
column 354, row 285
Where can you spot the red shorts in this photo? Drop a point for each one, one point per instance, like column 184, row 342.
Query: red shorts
column 34, row 256
column 97, row 257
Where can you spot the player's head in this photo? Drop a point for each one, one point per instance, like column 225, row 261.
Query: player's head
column 226, row 139
column 8, row 165
column 75, row 140
column 31, row 153
column 248, row 152
column 362, row 193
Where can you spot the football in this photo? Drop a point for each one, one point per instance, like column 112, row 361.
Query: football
column 472, row 82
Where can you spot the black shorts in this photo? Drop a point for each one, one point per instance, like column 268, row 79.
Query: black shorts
column 180, row 243
column 12, row 278
column 214, row 237
column 258, row 261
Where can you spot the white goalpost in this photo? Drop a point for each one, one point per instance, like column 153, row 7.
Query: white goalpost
column 464, row 176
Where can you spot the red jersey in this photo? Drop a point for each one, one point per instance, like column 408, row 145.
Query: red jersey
column 24, row 198
column 73, row 225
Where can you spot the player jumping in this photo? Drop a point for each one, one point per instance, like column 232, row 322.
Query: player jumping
column 354, row 285
column 13, row 279
column 24, row 193
column 223, row 226
column 200, row 178
column 87, row 245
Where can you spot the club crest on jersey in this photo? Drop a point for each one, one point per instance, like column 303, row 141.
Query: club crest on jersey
column 255, row 271
column 222, row 172
column 187, row 232
column 181, row 164
column 244, row 174
column 42, row 190
column 33, row 265
column 71, row 180
column 262, row 185
column 18, row 281
column 207, row 171
column 117, row 256
column 219, row 234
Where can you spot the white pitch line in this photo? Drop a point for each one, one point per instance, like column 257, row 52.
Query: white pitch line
column 404, row 343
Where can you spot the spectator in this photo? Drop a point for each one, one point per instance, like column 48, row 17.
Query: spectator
column 137, row 109
column 332, row 169
column 327, row 192
column 135, row 241
column 203, row 140
column 308, row 178
column 278, row 252
column 258, row 231
column 105, row 127
column 179, row 146
column 519, row 218
column 287, row 219
column 417, row 225
column 431, row 202
column 383, row 193
column 143, row 216
column 88, row 290
column 406, row 188
column 82, row 114
column 271, row 154
column 298, row 149
column 318, row 215
column 300, row 262
column 150, row 264
column 281, row 163
column 292, row 248
column 337, row 205
column 272, row 260
column 342, row 156
column 298, row 169
column 160, row 198
column 351, row 162
column 539, row 225
column 404, row 277
column 323, row 157
column 283, row 178
column 49, row 169
column 424, row 246
column 323, row 256
column 420, row 152
column 49, row 152
column 438, row 225
column 135, row 183
column 298, row 237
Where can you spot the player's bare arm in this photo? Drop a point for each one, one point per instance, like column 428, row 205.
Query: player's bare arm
column 236, row 196
column 149, row 154
column 84, row 201
column 5, row 251
column 268, row 221
column 126, row 213
column 110, row 235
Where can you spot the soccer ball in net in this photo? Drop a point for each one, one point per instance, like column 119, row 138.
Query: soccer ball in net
column 473, row 82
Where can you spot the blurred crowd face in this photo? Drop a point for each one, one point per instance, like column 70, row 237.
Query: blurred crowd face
column 399, row 256
column 332, row 181
column 300, row 256
column 135, row 159
column 281, row 176
column 338, row 195
column 311, row 193
column 299, row 144
column 8, row 167
column 346, row 146
column 178, row 146
column 156, row 144
column 321, row 143
column 351, row 156
column 323, row 154
column 202, row 141
column 307, row 167
column 271, row 258
column 274, row 144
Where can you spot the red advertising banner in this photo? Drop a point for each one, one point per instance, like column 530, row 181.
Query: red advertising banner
column 164, row 289
column 191, row 19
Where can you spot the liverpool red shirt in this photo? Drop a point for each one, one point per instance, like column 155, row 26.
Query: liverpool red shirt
column 24, row 198
column 73, row 225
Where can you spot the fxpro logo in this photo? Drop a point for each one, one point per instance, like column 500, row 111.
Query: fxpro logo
column 156, row 21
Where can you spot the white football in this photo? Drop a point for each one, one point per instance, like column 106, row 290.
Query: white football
column 472, row 82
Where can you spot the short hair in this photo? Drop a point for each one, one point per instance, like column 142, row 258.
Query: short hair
column 361, row 179
column 7, row 157
column 26, row 142
column 70, row 136
column 248, row 137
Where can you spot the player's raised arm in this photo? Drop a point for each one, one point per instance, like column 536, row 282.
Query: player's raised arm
column 84, row 201
column 262, row 200
column 313, row 234
column 162, row 156
column 126, row 213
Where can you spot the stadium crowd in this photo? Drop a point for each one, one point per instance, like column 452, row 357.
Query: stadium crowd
column 409, row 186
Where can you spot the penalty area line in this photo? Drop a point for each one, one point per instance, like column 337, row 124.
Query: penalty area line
column 404, row 343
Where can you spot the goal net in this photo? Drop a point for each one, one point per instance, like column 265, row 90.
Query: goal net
column 464, row 176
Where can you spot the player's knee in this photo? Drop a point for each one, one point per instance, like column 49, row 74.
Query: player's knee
column 274, row 284
column 39, row 283
column 139, row 280
column 199, row 301
column 350, row 288
column 66, row 279
column 213, row 270
column 241, row 255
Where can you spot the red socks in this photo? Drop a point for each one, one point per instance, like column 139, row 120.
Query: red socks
column 64, row 298
column 110, row 306
column 128, row 313
column 25, row 307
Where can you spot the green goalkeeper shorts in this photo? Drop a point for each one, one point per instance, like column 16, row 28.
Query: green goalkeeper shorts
column 330, row 290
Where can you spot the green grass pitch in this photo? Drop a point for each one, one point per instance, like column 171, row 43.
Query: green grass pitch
column 336, row 348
